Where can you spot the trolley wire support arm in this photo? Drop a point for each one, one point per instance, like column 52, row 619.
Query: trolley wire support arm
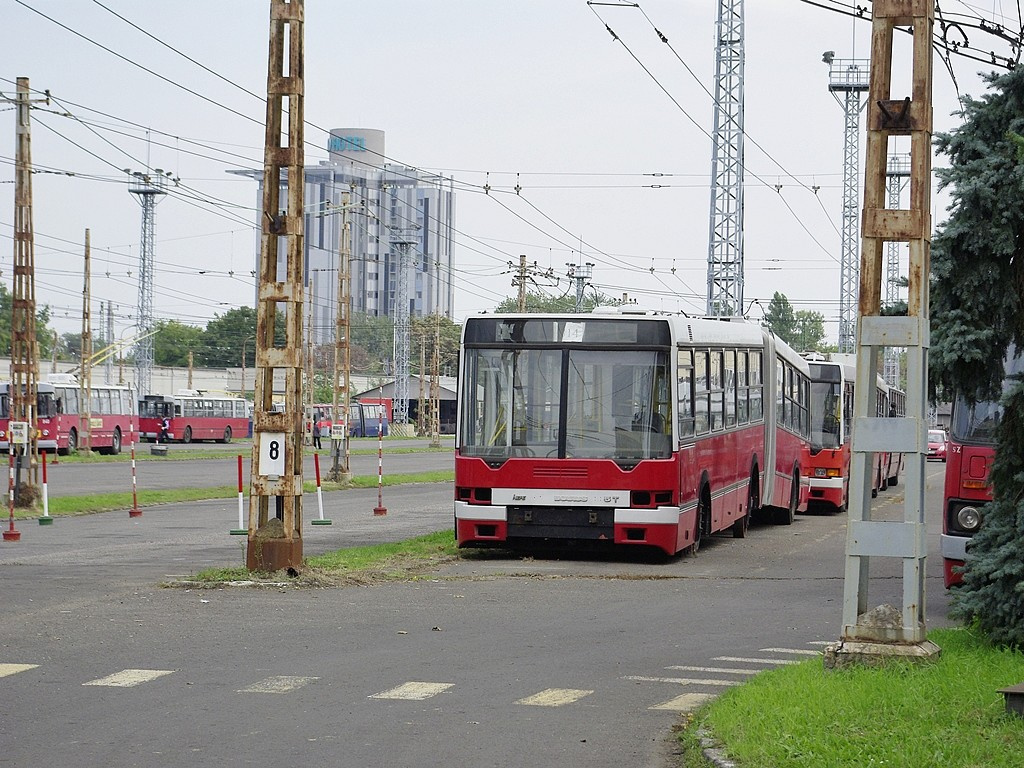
column 876, row 635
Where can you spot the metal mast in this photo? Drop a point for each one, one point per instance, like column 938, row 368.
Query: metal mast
column 850, row 78
column 24, row 345
column 148, row 188
column 403, row 238
column 897, row 174
column 275, row 496
column 725, row 245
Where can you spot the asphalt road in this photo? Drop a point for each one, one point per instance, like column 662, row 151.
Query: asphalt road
column 492, row 661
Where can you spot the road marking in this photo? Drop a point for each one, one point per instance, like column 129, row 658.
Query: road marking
column 126, row 678
column 821, row 642
column 681, row 680
column 742, row 660
column 413, row 691
column 278, row 684
column 554, row 697
column 13, row 669
column 715, row 670
column 685, row 702
column 795, row 651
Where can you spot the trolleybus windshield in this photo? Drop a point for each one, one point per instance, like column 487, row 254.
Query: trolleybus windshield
column 825, row 406
column 556, row 403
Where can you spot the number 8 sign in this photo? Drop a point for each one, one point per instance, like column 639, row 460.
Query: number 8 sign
column 272, row 448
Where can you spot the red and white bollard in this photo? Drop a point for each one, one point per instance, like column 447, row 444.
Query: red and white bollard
column 45, row 519
column 380, row 509
column 241, row 530
column 11, row 534
column 319, row 493
column 134, row 511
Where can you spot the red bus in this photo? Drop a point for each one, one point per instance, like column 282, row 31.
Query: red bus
column 969, row 454
column 632, row 429
column 831, row 410
column 61, row 421
column 195, row 415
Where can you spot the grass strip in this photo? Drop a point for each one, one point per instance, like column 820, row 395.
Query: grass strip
column 106, row 502
column 183, row 453
column 378, row 562
column 947, row 713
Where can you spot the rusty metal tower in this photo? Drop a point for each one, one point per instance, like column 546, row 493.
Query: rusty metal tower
column 725, row 245
column 849, row 77
column 148, row 187
column 24, row 344
column 885, row 632
column 275, row 531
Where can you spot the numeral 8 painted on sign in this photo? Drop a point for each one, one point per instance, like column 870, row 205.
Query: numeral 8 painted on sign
column 275, row 450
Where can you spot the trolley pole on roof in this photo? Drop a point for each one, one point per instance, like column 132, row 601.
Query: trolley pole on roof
column 275, row 495
column 871, row 636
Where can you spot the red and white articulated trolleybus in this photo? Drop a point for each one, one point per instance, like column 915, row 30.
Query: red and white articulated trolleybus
column 195, row 415
column 969, row 454
column 44, row 413
column 828, row 463
column 632, row 429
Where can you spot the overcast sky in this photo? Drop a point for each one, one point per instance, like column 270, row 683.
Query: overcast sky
column 612, row 161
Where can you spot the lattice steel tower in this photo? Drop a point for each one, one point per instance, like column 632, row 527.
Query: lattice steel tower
column 403, row 239
column 897, row 174
column 849, row 77
column 148, row 188
column 725, row 244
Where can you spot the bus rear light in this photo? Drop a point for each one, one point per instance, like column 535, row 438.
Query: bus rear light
column 975, row 485
column 968, row 519
column 473, row 495
column 650, row 498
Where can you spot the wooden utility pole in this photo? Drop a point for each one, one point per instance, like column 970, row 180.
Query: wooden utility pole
column 24, row 344
column 884, row 633
column 191, row 362
column 342, row 353
column 275, row 538
column 85, row 380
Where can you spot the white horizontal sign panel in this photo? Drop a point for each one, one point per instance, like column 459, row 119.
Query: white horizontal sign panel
column 559, row 498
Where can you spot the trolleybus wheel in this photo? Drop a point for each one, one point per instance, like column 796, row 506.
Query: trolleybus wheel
column 786, row 515
column 703, row 520
column 115, row 444
column 72, row 443
column 227, row 435
column 187, row 436
column 739, row 528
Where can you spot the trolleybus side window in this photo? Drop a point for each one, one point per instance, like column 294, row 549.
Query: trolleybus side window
column 717, row 391
column 702, row 398
column 756, row 387
column 685, row 407
column 742, row 388
column 730, row 388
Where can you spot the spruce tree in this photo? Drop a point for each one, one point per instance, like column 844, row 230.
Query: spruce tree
column 977, row 319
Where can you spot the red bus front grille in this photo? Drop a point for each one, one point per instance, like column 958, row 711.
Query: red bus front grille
column 560, row 471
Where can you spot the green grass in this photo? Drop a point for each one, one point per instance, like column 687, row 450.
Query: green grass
column 178, row 452
column 106, row 502
column 945, row 714
column 398, row 560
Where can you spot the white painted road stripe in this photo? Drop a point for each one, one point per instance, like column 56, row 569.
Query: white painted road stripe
column 278, row 684
column 686, row 702
column 13, row 669
column 414, row 691
column 681, row 680
column 795, row 651
column 126, row 678
column 715, row 670
column 754, row 661
column 554, row 697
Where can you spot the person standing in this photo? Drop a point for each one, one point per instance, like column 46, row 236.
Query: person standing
column 316, row 432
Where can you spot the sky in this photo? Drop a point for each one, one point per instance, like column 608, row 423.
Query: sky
column 607, row 140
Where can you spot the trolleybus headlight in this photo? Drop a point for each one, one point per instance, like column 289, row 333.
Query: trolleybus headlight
column 819, row 472
column 968, row 518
